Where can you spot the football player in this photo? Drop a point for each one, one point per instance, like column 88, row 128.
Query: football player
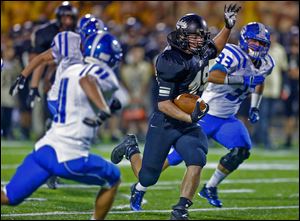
column 65, row 51
column 239, row 71
column 181, row 68
column 64, row 150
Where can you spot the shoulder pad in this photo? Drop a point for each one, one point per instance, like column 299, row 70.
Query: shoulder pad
column 170, row 64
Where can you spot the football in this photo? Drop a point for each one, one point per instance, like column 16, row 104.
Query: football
column 187, row 102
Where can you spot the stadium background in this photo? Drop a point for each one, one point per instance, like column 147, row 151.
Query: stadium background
column 141, row 26
column 266, row 187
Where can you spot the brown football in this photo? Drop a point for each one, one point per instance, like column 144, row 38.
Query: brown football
column 187, row 102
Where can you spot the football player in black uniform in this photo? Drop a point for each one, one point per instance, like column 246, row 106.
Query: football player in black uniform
column 181, row 68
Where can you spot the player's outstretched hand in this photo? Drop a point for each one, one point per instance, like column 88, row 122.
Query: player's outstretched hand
column 198, row 113
column 253, row 115
column 33, row 95
column 98, row 121
column 230, row 13
column 17, row 85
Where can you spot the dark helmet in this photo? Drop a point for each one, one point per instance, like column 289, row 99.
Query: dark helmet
column 191, row 24
column 66, row 9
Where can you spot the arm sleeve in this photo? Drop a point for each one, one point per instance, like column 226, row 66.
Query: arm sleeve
column 227, row 61
column 56, row 48
column 105, row 77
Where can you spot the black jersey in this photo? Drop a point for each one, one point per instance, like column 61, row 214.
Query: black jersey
column 178, row 72
column 43, row 37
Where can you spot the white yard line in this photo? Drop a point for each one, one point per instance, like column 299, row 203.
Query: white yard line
column 150, row 211
column 212, row 165
column 167, row 183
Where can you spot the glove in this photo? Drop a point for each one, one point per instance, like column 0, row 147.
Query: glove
column 101, row 117
column 252, row 81
column 17, row 85
column 198, row 113
column 230, row 13
column 33, row 94
column 115, row 105
column 253, row 115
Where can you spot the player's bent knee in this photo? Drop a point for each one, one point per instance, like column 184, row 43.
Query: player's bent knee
column 115, row 177
column 149, row 176
column 234, row 158
column 197, row 158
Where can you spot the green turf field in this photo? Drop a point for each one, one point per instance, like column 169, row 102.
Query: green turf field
column 266, row 187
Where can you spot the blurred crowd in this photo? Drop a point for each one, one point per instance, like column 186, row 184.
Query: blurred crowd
column 142, row 27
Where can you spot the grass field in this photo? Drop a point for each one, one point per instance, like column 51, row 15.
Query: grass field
column 266, row 187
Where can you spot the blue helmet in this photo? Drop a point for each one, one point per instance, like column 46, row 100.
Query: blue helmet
column 83, row 20
column 256, row 31
column 91, row 26
column 104, row 47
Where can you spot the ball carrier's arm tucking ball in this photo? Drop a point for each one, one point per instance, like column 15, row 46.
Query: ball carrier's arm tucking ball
column 187, row 103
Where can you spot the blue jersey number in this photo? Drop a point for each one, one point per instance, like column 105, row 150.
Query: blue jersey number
column 238, row 95
column 62, row 101
column 227, row 62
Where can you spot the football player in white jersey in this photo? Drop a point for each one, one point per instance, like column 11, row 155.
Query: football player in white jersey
column 64, row 150
column 65, row 51
column 238, row 71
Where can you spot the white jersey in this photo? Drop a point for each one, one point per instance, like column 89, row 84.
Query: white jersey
column 225, row 100
column 68, row 135
column 66, row 52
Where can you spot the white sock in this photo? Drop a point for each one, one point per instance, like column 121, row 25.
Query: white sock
column 93, row 218
column 216, row 178
column 139, row 187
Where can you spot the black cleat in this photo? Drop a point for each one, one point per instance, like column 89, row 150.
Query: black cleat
column 179, row 213
column 128, row 147
column 52, row 182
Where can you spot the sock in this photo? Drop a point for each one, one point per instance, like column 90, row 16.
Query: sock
column 216, row 178
column 93, row 218
column 185, row 202
column 139, row 187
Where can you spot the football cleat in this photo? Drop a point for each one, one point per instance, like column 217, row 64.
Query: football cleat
column 127, row 148
column 52, row 182
column 211, row 195
column 179, row 213
column 136, row 198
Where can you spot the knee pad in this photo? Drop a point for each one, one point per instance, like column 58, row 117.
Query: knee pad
column 174, row 158
column 234, row 158
column 148, row 176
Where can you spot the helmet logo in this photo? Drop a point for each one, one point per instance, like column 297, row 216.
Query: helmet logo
column 181, row 24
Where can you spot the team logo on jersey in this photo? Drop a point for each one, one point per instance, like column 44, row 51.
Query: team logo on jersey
column 181, row 24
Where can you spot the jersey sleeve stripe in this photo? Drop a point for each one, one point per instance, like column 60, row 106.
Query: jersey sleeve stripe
column 89, row 69
column 66, row 44
column 235, row 54
column 241, row 53
column 60, row 43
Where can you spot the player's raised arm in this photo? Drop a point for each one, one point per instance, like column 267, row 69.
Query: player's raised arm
column 230, row 13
